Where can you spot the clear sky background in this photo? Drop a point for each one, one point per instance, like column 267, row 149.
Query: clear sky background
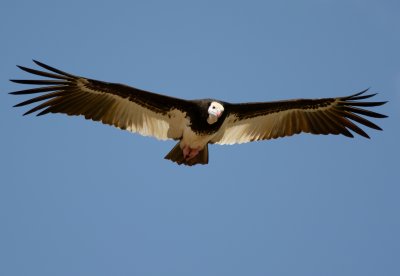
column 82, row 198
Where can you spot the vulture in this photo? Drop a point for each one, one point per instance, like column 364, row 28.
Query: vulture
column 193, row 123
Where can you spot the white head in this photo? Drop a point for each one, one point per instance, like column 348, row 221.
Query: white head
column 215, row 111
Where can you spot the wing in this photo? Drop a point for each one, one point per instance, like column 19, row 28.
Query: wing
column 259, row 121
column 114, row 104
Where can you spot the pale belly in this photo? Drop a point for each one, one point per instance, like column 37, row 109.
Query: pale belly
column 194, row 141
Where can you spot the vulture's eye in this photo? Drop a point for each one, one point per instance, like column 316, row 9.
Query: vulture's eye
column 213, row 107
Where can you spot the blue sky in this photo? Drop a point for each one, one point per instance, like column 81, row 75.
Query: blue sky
column 81, row 198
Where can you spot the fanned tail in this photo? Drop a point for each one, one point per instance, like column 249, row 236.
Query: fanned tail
column 176, row 155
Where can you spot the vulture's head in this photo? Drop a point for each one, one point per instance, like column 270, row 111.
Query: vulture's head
column 215, row 111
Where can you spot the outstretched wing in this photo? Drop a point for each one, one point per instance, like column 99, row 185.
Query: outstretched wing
column 259, row 121
column 114, row 104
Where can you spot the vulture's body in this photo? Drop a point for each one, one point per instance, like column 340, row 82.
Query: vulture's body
column 194, row 123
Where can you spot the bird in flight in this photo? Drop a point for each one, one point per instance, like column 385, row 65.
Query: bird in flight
column 194, row 123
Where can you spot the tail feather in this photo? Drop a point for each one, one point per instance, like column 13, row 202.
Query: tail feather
column 176, row 155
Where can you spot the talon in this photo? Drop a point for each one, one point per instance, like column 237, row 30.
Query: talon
column 186, row 152
column 190, row 153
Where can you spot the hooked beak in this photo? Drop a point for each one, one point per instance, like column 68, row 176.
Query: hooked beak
column 215, row 113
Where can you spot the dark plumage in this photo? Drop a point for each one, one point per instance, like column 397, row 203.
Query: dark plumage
column 195, row 123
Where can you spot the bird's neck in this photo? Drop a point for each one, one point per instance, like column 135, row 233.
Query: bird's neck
column 212, row 119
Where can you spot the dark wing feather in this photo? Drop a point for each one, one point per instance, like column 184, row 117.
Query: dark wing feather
column 259, row 121
column 125, row 107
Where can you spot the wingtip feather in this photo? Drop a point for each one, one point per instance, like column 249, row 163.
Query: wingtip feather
column 360, row 93
column 37, row 62
column 55, row 70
